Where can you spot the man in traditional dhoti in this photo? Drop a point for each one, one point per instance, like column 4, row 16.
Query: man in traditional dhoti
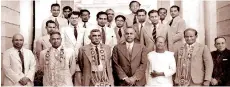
column 58, row 63
column 94, row 61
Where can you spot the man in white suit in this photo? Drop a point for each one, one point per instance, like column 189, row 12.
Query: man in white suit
column 18, row 64
column 73, row 38
column 60, row 22
column 108, row 34
column 111, row 22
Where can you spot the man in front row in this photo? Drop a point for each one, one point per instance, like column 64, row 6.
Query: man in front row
column 129, row 60
column 194, row 62
column 95, row 62
column 58, row 63
column 221, row 60
column 18, row 64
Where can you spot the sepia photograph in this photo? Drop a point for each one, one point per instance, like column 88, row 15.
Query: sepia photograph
column 109, row 43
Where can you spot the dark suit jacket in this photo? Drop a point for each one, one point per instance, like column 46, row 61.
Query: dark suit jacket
column 124, row 66
column 85, row 59
column 221, row 71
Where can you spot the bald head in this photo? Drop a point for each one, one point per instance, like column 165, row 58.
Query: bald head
column 18, row 41
column 129, row 35
column 160, row 43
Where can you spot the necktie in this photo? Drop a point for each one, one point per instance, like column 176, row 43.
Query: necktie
column 22, row 59
column 130, row 50
column 97, row 52
column 134, row 19
column 119, row 32
column 103, row 35
column 75, row 33
column 154, row 31
column 109, row 25
column 56, row 22
column 84, row 25
column 171, row 22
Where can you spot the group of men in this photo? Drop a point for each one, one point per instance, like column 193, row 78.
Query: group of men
column 134, row 50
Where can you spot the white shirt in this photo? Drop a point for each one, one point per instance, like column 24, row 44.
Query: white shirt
column 139, row 25
column 161, row 62
column 129, row 45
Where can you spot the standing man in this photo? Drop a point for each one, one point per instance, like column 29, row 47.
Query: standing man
column 43, row 42
column 111, row 22
column 131, row 18
column 58, row 63
column 153, row 30
column 129, row 61
column 19, row 64
column 73, row 36
column 85, row 15
column 162, row 13
column 108, row 34
column 162, row 65
column 59, row 21
column 120, row 28
column 95, row 62
column 66, row 11
column 194, row 62
column 138, row 27
column 177, row 26
column 221, row 59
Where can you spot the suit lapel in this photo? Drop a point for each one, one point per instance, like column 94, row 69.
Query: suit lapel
column 124, row 50
column 15, row 55
column 46, row 41
column 71, row 36
column 89, row 51
column 25, row 56
column 148, row 31
column 135, row 50
column 196, row 48
column 116, row 32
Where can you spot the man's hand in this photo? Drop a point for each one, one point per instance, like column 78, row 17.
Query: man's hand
column 206, row 83
column 24, row 81
column 214, row 81
column 132, row 80
column 127, row 80
column 153, row 74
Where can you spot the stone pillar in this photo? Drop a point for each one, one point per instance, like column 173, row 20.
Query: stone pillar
column 193, row 14
column 210, row 22
column 26, row 22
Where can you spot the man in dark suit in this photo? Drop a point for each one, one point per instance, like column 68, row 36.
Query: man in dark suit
column 194, row 62
column 221, row 59
column 95, row 62
column 129, row 61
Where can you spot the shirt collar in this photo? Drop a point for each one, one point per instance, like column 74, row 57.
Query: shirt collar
column 192, row 45
column 59, row 48
column 130, row 43
column 142, row 24
column 18, row 50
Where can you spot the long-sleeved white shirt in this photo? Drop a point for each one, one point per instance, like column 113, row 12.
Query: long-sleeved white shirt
column 161, row 62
